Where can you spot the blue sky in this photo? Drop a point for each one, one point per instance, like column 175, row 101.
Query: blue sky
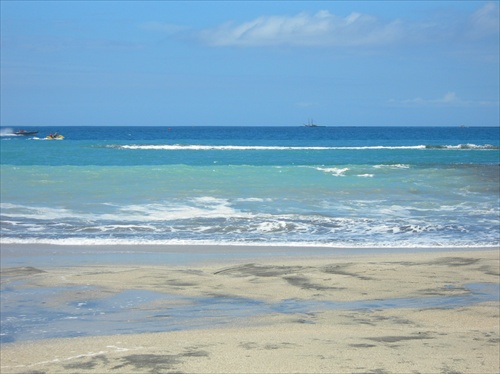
column 253, row 63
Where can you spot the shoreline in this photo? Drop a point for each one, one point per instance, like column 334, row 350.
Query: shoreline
column 183, row 254
column 263, row 311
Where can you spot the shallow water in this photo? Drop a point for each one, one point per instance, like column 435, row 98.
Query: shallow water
column 30, row 313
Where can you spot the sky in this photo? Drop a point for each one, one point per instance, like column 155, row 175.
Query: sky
column 249, row 63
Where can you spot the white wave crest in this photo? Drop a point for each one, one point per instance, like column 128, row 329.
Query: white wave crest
column 202, row 207
column 467, row 146
column 393, row 166
column 140, row 245
column 206, row 147
column 338, row 172
column 199, row 147
column 179, row 147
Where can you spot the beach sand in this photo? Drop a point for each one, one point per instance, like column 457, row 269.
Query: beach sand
column 365, row 313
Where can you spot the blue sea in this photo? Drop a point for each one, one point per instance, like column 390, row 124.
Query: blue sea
column 342, row 187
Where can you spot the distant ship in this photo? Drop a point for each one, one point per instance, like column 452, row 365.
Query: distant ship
column 310, row 123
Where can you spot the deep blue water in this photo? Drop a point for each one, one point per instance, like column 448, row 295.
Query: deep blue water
column 331, row 186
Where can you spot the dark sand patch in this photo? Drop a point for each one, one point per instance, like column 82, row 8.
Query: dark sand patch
column 342, row 270
column 155, row 362
column 260, row 270
column 454, row 261
column 20, row 271
column 306, row 284
column 88, row 364
column 397, row 338
column 259, row 346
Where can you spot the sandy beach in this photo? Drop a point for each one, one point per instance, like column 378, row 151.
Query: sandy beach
column 393, row 312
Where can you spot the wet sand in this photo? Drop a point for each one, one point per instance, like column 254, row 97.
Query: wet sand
column 323, row 313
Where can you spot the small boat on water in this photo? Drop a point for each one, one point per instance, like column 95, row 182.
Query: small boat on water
column 55, row 136
column 26, row 133
column 310, row 123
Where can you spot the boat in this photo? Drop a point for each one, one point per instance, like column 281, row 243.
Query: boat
column 26, row 133
column 310, row 123
column 55, row 136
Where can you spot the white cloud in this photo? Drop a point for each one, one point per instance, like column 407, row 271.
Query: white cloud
column 357, row 29
column 448, row 99
column 303, row 29
column 484, row 22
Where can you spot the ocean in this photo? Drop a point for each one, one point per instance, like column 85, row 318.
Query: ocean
column 343, row 187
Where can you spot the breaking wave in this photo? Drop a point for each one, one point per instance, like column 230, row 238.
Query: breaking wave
column 201, row 147
column 464, row 146
column 221, row 221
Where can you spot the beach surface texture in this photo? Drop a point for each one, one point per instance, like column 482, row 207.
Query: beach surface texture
column 399, row 312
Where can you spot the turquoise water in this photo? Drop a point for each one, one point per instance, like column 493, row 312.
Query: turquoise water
column 328, row 186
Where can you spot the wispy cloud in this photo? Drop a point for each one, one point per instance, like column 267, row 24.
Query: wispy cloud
column 448, row 99
column 303, row 29
column 357, row 29
column 484, row 22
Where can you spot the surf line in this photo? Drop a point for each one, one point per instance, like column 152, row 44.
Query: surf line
column 177, row 147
